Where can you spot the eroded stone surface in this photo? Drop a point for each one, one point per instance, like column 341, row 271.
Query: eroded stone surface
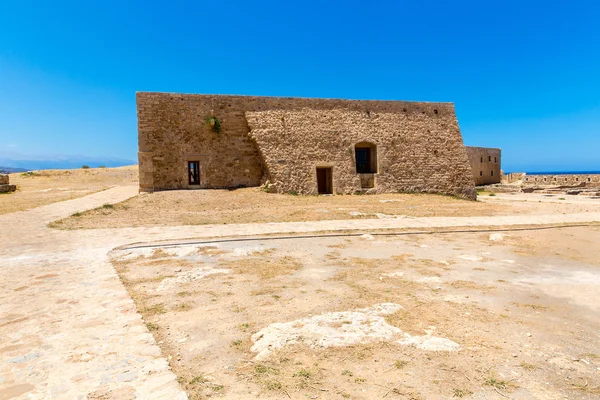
column 343, row 328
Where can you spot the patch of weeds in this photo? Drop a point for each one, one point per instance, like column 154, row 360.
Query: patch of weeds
column 217, row 388
column 303, row 373
column 85, row 167
column 591, row 355
column 151, row 326
column 236, row 343
column 561, row 198
column 534, row 306
column 399, row 364
column 182, row 307
column 273, row 385
column 77, row 214
column 461, row 392
column 528, row 367
column 261, row 369
column 108, row 206
column 276, row 296
column 498, row 384
column 184, row 294
column 492, row 194
column 359, row 380
column 155, row 309
column 244, row 326
column 198, row 380
column 347, row 373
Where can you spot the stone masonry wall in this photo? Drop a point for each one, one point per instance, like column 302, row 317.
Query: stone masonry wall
column 485, row 164
column 420, row 147
column 589, row 180
column 415, row 152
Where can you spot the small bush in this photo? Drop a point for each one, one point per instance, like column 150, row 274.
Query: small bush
column 85, row 167
column 77, row 214
column 492, row 194
column 214, row 123
column 109, row 206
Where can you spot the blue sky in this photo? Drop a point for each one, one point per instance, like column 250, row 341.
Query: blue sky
column 524, row 75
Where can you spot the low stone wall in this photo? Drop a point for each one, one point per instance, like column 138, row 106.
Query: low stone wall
column 5, row 187
column 589, row 180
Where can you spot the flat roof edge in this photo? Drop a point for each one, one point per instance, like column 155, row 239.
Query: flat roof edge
column 292, row 97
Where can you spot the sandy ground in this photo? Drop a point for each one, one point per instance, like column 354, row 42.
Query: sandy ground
column 251, row 205
column 482, row 316
column 50, row 186
column 347, row 317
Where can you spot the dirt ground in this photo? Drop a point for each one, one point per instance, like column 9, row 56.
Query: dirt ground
column 250, row 205
column 462, row 315
column 38, row 188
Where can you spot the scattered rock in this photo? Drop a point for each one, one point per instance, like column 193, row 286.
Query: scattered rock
column 496, row 237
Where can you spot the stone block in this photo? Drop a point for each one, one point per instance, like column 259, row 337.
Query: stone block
column 7, row 188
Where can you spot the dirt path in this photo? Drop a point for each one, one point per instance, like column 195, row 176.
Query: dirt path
column 68, row 327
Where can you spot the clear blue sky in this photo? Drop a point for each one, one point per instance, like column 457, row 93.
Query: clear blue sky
column 524, row 75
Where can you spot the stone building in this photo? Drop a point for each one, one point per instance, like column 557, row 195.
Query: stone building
column 485, row 164
column 5, row 185
column 300, row 145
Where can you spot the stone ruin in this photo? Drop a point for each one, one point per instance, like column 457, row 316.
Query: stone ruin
column 5, row 187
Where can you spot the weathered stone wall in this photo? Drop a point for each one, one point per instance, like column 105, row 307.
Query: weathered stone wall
column 5, row 187
column 485, row 164
column 415, row 152
column 420, row 147
column 589, row 180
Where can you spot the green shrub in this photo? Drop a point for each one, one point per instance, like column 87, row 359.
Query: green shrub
column 85, row 166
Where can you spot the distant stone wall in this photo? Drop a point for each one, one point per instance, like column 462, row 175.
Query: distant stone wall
column 514, row 177
column 589, row 180
column 5, row 185
column 414, row 153
column 485, row 164
column 419, row 145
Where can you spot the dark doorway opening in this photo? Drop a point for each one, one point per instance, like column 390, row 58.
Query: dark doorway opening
column 324, row 180
column 193, row 172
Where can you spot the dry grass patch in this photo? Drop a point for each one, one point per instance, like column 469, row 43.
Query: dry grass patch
column 40, row 188
column 251, row 205
column 265, row 268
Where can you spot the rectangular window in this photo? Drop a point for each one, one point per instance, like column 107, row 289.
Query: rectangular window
column 492, row 173
column 363, row 160
column 480, row 173
column 193, row 172
column 495, row 159
column 481, row 159
column 489, row 158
